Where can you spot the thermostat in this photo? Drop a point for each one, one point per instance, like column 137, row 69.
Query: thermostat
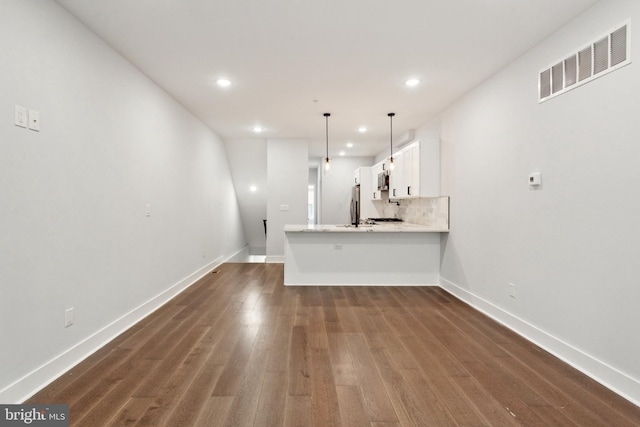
column 534, row 179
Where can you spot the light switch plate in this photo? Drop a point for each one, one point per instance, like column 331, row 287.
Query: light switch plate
column 69, row 318
column 21, row 116
column 34, row 120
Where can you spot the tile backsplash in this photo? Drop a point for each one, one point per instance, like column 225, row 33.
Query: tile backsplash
column 430, row 211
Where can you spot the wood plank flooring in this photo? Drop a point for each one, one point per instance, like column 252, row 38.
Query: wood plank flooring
column 240, row 349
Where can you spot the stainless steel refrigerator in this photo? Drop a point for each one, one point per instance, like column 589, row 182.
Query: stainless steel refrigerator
column 355, row 205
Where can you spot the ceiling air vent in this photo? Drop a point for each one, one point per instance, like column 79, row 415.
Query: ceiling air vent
column 607, row 53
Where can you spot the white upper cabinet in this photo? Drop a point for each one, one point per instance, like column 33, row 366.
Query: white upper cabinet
column 375, row 193
column 416, row 172
column 411, row 170
column 397, row 177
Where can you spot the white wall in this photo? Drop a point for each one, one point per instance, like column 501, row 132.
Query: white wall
column 287, row 185
column 248, row 162
column 570, row 247
column 336, row 188
column 73, row 196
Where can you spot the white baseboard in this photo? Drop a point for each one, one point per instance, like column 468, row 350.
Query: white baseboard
column 357, row 285
column 23, row 388
column 613, row 379
column 34, row 381
column 239, row 254
column 275, row 259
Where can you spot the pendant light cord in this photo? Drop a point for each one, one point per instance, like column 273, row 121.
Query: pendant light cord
column 391, row 132
column 326, row 119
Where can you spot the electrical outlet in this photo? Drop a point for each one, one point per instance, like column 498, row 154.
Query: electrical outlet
column 68, row 317
column 147, row 211
column 34, row 120
column 337, row 246
column 512, row 290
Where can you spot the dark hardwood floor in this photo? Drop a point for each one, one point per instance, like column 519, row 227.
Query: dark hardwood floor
column 240, row 349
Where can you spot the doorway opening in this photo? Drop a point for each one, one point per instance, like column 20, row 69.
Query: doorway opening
column 313, row 196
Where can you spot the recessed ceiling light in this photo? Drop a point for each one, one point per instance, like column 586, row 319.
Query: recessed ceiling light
column 258, row 129
column 223, row 82
column 412, row 82
column 253, row 188
column 362, row 129
column 342, row 153
column 349, row 144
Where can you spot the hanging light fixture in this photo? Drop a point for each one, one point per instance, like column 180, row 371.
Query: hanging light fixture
column 327, row 165
column 391, row 165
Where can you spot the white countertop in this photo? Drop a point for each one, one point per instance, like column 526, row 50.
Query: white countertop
column 387, row 227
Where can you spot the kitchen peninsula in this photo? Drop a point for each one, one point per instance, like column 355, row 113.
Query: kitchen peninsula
column 397, row 254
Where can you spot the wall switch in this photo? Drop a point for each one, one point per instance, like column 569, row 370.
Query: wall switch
column 284, row 208
column 21, row 116
column 512, row 290
column 68, row 317
column 34, row 120
column 337, row 246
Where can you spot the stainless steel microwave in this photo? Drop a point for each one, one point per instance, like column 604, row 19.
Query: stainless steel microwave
column 383, row 181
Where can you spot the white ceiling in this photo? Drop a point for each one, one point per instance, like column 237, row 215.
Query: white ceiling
column 292, row 60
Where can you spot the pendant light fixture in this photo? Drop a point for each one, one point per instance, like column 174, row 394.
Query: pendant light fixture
column 327, row 165
column 391, row 165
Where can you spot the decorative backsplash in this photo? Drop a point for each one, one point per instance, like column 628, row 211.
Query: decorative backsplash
column 430, row 211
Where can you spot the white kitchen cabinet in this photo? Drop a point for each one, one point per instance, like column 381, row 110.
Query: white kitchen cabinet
column 416, row 172
column 375, row 193
column 411, row 165
column 378, row 168
column 397, row 177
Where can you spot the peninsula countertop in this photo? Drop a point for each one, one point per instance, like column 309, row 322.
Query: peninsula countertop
column 387, row 227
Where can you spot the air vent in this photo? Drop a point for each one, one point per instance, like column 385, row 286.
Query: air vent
column 557, row 80
column 619, row 46
column 600, row 55
column 545, row 83
column 607, row 53
column 570, row 70
column 585, row 64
